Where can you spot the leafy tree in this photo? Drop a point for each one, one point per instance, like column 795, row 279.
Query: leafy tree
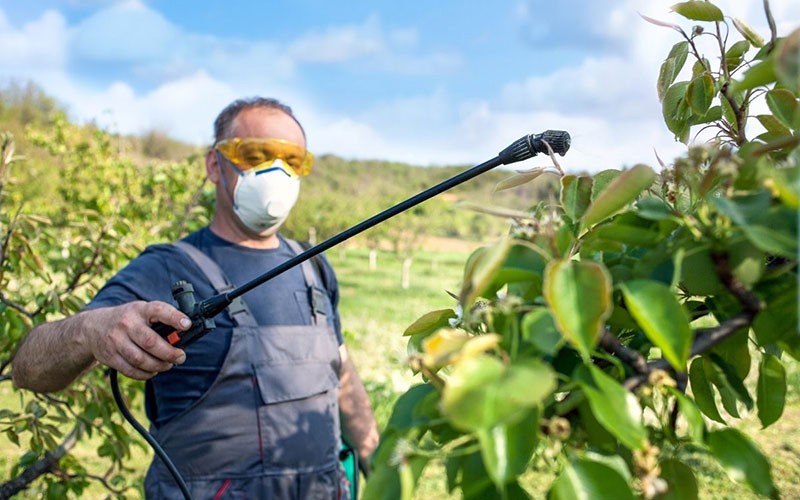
column 54, row 254
column 613, row 329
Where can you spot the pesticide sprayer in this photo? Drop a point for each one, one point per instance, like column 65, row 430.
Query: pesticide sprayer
column 202, row 313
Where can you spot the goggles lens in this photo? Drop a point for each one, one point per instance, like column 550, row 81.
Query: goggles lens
column 253, row 152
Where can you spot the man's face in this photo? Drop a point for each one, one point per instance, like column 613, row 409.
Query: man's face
column 263, row 123
column 254, row 123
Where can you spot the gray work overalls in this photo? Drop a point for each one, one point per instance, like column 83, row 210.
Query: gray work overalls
column 268, row 427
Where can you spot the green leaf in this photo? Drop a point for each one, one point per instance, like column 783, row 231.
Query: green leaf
column 404, row 413
column 576, row 192
column 698, row 276
column 738, row 49
column 758, row 75
column 506, row 449
column 539, row 329
column 614, row 407
column 702, row 390
column 691, row 413
column 630, row 229
column 674, row 113
column 698, row 11
column 681, row 482
column 771, row 390
column 771, row 229
column 430, row 322
column 602, row 179
column 583, row 479
column 742, row 460
column 482, row 392
column 787, row 62
column 579, row 297
column 784, row 106
column 395, row 483
column 735, row 351
column 520, row 178
column 773, row 125
column 671, row 67
column 778, row 320
column 618, row 193
column 725, row 377
column 480, row 270
column 469, row 473
column 700, row 93
column 662, row 318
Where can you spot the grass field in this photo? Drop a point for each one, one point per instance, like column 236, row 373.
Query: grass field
column 375, row 311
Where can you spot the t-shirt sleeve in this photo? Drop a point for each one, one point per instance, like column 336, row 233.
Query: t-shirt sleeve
column 147, row 277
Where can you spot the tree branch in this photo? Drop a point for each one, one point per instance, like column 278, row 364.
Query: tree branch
column 771, row 21
column 611, row 344
column 42, row 466
column 705, row 339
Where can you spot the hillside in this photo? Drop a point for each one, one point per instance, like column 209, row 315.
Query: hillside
column 338, row 193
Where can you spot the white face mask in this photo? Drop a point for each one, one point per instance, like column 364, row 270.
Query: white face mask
column 262, row 200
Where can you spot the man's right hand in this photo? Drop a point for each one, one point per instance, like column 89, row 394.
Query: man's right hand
column 121, row 337
column 54, row 354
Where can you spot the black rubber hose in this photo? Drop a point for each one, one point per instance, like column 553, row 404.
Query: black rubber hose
column 112, row 373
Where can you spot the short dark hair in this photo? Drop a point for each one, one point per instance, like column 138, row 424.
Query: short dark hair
column 222, row 124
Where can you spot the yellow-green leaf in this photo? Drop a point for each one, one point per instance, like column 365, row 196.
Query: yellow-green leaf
column 700, row 93
column 616, row 408
column 430, row 322
column 520, row 178
column 748, row 33
column 579, row 297
column 482, row 392
column 698, row 11
column 481, row 269
column 618, row 193
column 662, row 318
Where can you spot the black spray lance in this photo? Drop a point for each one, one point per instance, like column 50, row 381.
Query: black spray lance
column 202, row 313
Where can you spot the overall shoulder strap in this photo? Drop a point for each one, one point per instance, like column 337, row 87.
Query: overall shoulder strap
column 237, row 310
column 315, row 281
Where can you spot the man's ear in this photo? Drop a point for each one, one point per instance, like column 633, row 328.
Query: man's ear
column 213, row 168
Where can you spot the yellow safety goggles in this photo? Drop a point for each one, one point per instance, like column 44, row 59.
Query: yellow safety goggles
column 254, row 152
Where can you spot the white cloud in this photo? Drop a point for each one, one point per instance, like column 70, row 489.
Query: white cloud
column 185, row 107
column 37, row 45
column 340, row 43
column 126, row 32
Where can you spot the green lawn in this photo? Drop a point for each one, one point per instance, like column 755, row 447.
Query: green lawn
column 376, row 310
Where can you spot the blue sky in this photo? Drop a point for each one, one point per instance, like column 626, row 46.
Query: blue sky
column 424, row 82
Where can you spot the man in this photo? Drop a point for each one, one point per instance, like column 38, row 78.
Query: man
column 253, row 408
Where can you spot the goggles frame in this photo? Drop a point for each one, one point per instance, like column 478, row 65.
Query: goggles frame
column 252, row 152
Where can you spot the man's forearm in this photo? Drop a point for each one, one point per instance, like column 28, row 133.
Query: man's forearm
column 52, row 356
column 358, row 421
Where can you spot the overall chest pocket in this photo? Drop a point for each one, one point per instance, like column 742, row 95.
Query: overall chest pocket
column 298, row 387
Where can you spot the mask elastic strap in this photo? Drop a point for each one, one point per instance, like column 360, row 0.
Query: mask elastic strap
column 221, row 158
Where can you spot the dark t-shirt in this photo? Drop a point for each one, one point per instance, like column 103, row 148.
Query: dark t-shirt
column 284, row 300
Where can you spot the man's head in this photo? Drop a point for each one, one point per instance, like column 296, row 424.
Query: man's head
column 258, row 152
column 224, row 123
